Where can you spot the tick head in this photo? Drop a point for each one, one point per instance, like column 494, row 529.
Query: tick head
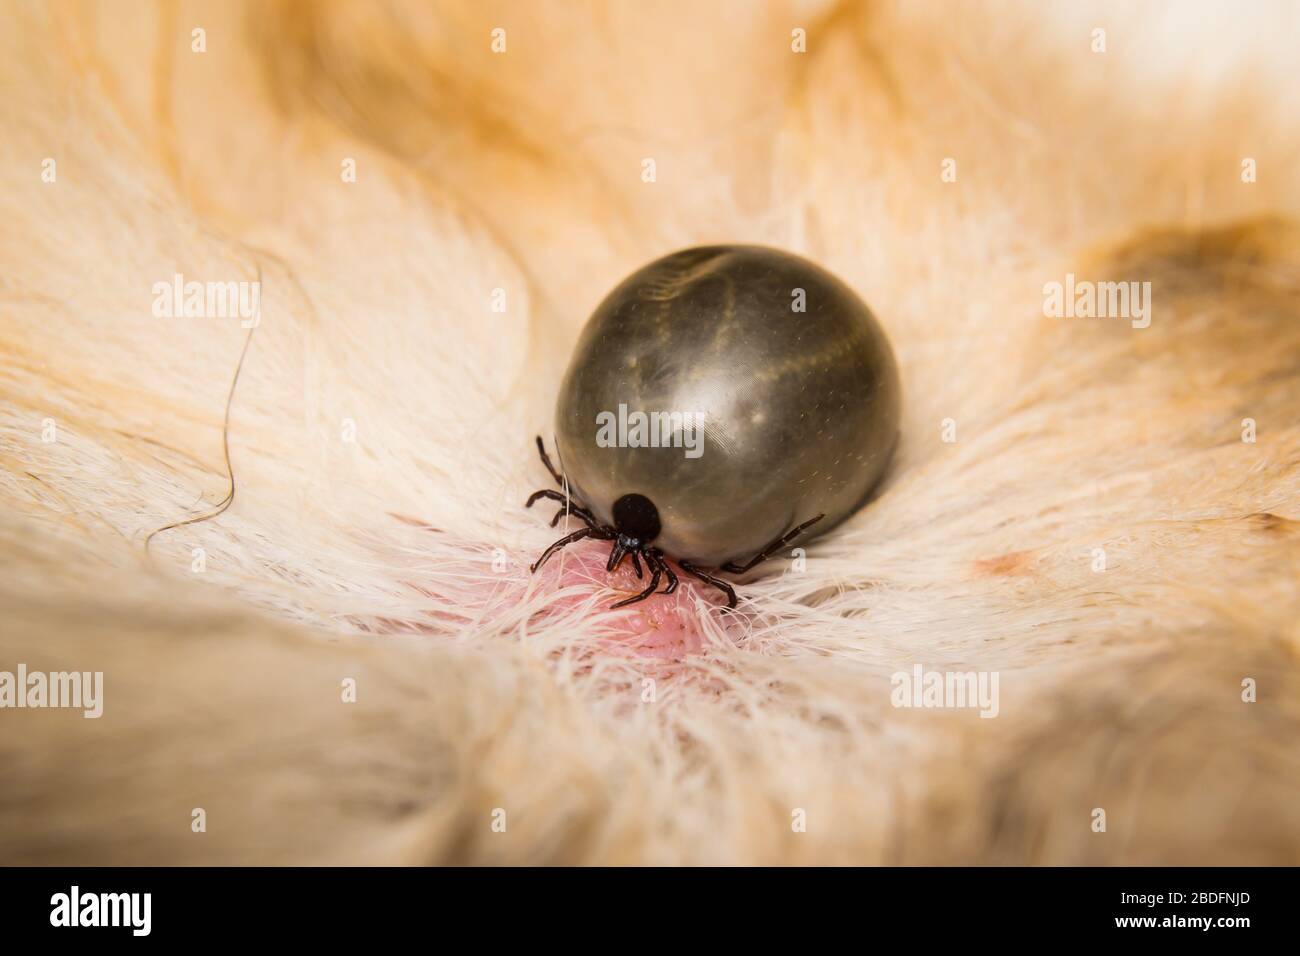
column 636, row 517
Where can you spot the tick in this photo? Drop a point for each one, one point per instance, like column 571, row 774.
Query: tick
column 721, row 401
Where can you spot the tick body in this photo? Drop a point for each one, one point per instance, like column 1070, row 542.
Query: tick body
column 719, row 399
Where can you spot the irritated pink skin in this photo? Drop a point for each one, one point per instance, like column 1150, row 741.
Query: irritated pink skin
column 663, row 626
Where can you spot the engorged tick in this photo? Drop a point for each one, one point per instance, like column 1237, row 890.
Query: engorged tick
column 766, row 392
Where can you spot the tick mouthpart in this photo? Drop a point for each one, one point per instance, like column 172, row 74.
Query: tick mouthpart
column 623, row 546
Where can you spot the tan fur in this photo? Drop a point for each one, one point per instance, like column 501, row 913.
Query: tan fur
column 522, row 171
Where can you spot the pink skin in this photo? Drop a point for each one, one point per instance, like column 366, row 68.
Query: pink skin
column 662, row 626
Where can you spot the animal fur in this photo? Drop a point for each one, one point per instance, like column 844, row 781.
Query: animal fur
column 399, row 559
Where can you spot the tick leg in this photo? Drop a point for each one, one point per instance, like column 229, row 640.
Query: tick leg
column 718, row 583
column 573, row 506
column 636, row 564
column 584, row 515
column 546, row 460
column 556, row 546
column 667, row 569
column 650, row 588
column 772, row 548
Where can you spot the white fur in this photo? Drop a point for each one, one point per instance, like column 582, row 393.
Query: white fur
column 373, row 560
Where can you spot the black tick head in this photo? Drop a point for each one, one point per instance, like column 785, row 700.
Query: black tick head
column 636, row 519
